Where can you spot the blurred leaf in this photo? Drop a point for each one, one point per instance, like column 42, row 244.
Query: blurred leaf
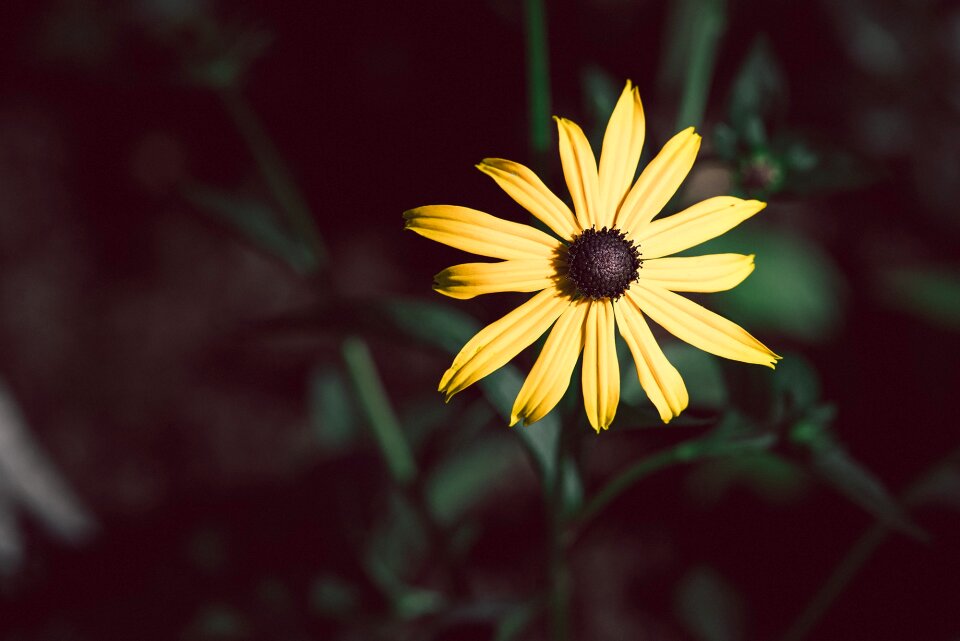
column 859, row 485
column 710, row 609
column 796, row 387
column 441, row 326
column 219, row 57
column 432, row 323
column 834, row 465
column 600, row 92
column 379, row 412
column 758, row 93
column 396, row 547
column 332, row 596
column 571, row 490
column 254, row 221
column 768, row 475
column 218, row 622
column 538, row 75
column 795, row 289
column 331, row 407
column 465, row 477
column 542, row 439
column 701, row 374
column 277, row 176
column 815, row 166
column 693, row 32
column 413, row 603
column 514, row 623
column 930, row 293
column 941, row 486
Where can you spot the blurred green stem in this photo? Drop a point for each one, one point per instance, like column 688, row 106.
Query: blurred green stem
column 376, row 405
column 855, row 559
column 275, row 173
column 538, row 76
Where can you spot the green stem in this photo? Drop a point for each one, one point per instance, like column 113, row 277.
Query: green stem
column 275, row 172
column 538, row 76
column 376, row 405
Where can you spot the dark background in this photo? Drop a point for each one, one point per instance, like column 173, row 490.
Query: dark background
column 168, row 367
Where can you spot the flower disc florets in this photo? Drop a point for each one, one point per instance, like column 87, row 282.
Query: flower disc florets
column 602, row 263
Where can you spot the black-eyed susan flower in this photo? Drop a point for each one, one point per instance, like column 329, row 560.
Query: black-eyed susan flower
column 609, row 266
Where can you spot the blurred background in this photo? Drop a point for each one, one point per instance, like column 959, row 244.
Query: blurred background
column 219, row 351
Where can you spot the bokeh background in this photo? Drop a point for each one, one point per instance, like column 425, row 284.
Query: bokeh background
column 207, row 301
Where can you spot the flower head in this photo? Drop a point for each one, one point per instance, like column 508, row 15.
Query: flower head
column 608, row 267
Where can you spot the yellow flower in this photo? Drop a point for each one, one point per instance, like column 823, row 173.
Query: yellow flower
column 610, row 267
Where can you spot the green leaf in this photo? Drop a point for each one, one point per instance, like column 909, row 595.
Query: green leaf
column 331, row 408
column 252, row 220
column 701, row 374
column 796, row 289
column 432, row 323
column 766, row 474
column 450, row 329
column 396, row 548
column 796, row 388
column 600, row 93
column 332, row 596
column 857, row 483
column 512, row 625
column 710, row 609
column 542, row 439
column 466, row 476
column 933, row 294
column 378, row 410
column 940, row 486
column 693, row 32
column 538, row 75
column 835, row 466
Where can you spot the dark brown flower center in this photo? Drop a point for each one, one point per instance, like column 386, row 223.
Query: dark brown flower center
column 602, row 263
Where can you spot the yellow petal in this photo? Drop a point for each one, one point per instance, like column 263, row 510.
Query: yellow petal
column 480, row 233
column 473, row 279
column 579, row 170
column 695, row 224
column 658, row 378
column 497, row 343
column 658, row 182
column 601, row 372
column 550, row 376
column 620, row 153
column 528, row 190
column 712, row 273
column 699, row 326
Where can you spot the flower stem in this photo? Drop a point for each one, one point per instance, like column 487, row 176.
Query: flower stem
column 275, row 173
